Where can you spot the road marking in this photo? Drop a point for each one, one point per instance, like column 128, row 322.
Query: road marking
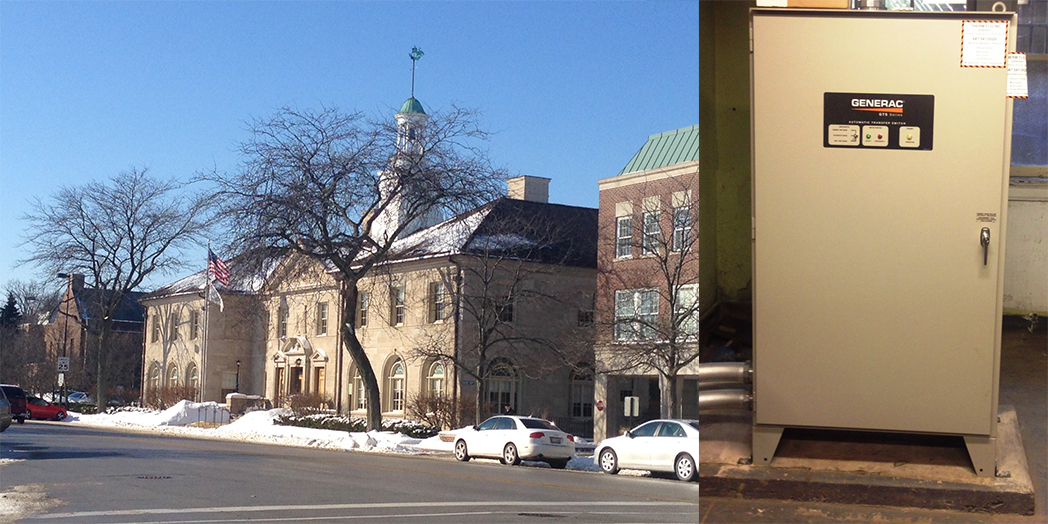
column 366, row 505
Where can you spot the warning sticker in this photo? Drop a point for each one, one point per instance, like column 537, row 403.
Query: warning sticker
column 988, row 218
column 1017, row 85
column 984, row 43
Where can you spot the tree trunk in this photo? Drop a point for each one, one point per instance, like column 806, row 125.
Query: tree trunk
column 360, row 357
column 102, row 356
column 478, row 409
column 670, row 403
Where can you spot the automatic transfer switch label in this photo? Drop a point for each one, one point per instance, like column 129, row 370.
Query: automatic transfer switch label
column 878, row 121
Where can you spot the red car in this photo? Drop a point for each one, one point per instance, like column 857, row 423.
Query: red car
column 41, row 409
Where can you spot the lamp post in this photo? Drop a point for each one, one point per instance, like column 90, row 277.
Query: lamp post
column 65, row 331
column 238, row 377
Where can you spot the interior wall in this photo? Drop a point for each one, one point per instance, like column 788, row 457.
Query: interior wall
column 724, row 110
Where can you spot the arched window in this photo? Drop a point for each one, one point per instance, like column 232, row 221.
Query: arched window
column 193, row 375
column 154, row 377
column 582, row 391
column 397, row 373
column 361, row 402
column 501, row 386
column 172, row 377
column 436, row 379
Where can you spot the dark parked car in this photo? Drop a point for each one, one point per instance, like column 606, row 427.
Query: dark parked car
column 17, row 398
column 40, row 409
column 5, row 412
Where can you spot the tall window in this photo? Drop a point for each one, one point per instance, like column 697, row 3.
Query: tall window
column 686, row 315
column 582, row 392
column 194, row 324
column 322, row 318
column 282, row 322
column 623, row 237
column 175, row 321
column 586, row 311
column 155, row 336
column 193, row 376
column 361, row 389
column 501, row 387
column 504, row 310
column 650, row 241
column 363, row 299
column 438, row 302
column 280, row 382
column 172, row 377
column 436, row 379
column 396, row 301
column 396, row 386
column 681, row 227
column 154, row 377
column 636, row 314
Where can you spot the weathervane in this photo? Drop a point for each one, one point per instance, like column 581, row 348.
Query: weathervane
column 416, row 53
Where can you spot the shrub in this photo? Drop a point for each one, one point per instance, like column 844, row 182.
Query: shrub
column 166, row 397
column 305, row 404
column 410, row 428
column 440, row 411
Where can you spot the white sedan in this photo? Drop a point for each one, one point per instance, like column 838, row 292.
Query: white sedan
column 667, row 445
column 512, row 439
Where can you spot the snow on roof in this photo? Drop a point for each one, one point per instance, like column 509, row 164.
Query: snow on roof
column 241, row 282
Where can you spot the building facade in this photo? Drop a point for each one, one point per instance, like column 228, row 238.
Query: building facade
column 647, row 300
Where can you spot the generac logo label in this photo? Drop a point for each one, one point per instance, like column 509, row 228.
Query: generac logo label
column 877, row 105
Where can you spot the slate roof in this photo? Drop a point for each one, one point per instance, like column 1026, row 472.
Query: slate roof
column 129, row 309
column 536, row 231
column 666, row 149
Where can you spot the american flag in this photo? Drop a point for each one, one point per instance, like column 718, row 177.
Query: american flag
column 217, row 268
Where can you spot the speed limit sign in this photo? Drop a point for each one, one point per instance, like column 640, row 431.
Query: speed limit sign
column 63, row 364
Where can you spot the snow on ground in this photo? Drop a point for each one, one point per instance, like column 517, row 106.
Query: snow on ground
column 260, row 426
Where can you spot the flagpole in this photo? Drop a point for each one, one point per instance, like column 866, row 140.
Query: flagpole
column 207, row 328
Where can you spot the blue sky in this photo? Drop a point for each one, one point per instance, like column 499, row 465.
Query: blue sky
column 89, row 89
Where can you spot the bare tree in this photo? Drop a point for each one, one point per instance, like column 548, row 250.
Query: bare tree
column 116, row 233
column 653, row 306
column 35, row 298
column 506, row 270
column 340, row 190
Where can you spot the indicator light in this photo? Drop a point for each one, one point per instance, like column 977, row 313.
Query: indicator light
column 868, row 136
column 909, row 137
column 880, row 137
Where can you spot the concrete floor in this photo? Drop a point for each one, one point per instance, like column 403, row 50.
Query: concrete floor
column 1024, row 385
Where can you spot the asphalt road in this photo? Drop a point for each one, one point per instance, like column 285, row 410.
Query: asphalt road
column 62, row 473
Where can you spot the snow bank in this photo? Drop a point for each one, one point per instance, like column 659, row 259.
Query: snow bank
column 181, row 414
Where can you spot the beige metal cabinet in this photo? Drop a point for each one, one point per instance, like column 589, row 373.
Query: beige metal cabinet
column 880, row 162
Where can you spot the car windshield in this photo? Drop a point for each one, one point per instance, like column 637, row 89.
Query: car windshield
column 14, row 392
column 535, row 423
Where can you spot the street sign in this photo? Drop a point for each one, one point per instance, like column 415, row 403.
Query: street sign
column 61, row 379
column 632, row 406
column 63, row 364
column 600, row 405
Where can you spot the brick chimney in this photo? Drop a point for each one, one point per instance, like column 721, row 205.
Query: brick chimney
column 530, row 188
column 76, row 282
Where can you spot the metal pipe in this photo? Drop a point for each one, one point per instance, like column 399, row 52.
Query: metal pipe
column 725, row 399
column 709, row 386
column 736, row 372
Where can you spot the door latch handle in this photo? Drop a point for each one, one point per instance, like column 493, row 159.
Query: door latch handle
column 984, row 239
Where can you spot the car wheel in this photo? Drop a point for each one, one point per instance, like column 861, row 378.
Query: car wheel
column 558, row 464
column 684, row 467
column 509, row 455
column 60, row 415
column 609, row 463
column 29, row 415
column 461, row 452
column 21, row 420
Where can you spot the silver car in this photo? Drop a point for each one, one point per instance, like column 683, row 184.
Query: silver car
column 511, row 438
column 666, row 445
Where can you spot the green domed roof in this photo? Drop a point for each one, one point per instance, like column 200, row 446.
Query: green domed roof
column 412, row 105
